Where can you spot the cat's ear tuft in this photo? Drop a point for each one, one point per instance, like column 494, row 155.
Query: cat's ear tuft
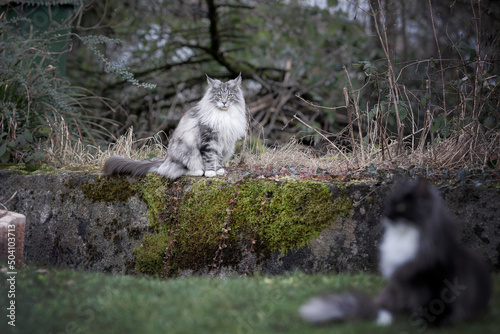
column 237, row 80
column 212, row 82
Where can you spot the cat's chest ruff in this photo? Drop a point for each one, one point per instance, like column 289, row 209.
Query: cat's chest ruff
column 230, row 124
column 399, row 245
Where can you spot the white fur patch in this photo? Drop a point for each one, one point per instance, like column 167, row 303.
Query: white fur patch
column 399, row 245
column 230, row 124
column 221, row 171
column 195, row 172
column 319, row 310
column 384, row 318
column 210, row 173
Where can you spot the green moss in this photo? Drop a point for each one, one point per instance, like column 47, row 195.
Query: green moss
column 281, row 215
column 156, row 191
column 16, row 168
column 149, row 256
column 343, row 206
column 109, row 189
column 293, row 212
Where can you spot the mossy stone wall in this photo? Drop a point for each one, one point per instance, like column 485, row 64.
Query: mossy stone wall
column 212, row 222
column 157, row 226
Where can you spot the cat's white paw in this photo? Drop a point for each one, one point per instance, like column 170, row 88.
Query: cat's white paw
column 195, row 172
column 221, row 171
column 210, row 173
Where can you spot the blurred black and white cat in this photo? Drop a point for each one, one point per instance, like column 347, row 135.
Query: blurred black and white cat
column 204, row 139
column 430, row 275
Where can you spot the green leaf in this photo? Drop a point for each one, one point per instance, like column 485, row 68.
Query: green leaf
column 28, row 136
column 424, row 99
column 20, row 141
column 4, row 154
column 3, row 149
column 403, row 113
column 438, row 123
column 466, row 47
column 38, row 156
column 490, row 122
column 423, row 102
column 372, row 113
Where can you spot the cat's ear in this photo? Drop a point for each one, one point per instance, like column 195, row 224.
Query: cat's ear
column 237, row 80
column 212, row 82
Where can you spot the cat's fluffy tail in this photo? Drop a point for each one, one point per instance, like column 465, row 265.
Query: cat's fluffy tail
column 340, row 307
column 117, row 165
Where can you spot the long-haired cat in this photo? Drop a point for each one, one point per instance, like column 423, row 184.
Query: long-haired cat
column 204, row 139
column 430, row 276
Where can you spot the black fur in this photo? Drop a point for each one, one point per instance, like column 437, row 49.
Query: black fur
column 443, row 283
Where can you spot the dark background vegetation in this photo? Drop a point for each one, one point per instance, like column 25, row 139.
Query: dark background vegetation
column 383, row 76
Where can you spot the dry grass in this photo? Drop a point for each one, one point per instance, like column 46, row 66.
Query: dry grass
column 460, row 150
column 79, row 155
column 293, row 154
column 465, row 148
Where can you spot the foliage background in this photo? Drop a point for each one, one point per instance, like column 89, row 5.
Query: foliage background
column 357, row 75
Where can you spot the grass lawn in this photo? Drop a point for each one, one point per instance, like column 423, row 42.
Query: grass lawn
column 65, row 301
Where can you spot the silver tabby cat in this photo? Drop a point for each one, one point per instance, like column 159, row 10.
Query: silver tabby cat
column 204, row 139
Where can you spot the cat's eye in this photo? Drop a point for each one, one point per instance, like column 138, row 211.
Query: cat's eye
column 229, row 96
column 219, row 96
